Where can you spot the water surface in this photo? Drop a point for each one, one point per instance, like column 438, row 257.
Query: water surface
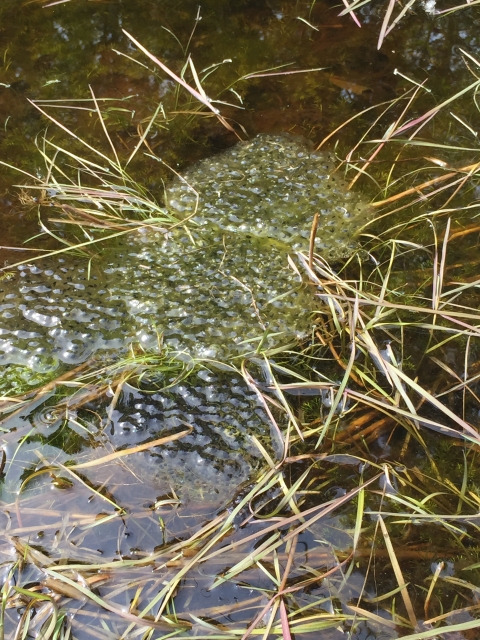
column 52, row 55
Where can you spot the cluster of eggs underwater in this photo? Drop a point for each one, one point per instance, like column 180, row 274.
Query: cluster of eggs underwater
column 213, row 289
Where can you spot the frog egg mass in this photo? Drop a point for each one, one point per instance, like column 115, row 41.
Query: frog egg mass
column 211, row 292
column 215, row 288
column 271, row 187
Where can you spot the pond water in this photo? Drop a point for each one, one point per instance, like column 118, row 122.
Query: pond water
column 194, row 292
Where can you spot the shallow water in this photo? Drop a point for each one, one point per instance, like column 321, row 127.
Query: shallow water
column 52, row 53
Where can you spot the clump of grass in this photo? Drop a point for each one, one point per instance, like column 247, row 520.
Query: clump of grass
column 394, row 133
column 378, row 370
column 397, row 12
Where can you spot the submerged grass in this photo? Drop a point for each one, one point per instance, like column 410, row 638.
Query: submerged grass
column 396, row 12
column 378, row 471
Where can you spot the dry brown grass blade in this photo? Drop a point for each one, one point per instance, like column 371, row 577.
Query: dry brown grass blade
column 398, row 574
column 374, row 617
column 204, row 99
column 449, row 614
column 369, row 302
column 428, row 597
column 128, row 452
column 227, row 609
column 291, row 556
column 29, row 554
column 340, row 362
column 369, row 433
column 63, row 589
column 390, row 409
column 366, row 427
column 413, row 190
column 429, row 183
column 94, row 220
column 313, row 234
column 137, row 620
column 474, row 228
column 384, row 27
column 284, row 621
column 249, row 76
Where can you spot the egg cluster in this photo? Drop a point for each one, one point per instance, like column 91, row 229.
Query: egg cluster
column 271, row 187
column 219, row 287
column 216, row 457
column 205, row 296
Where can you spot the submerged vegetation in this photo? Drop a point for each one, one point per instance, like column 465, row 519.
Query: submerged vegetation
column 336, row 489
